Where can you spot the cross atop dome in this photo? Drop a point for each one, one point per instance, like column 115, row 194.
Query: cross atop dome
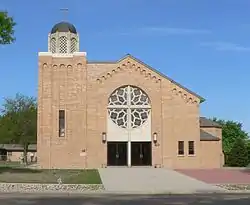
column 64, row 11
column 63, row 38
column 64, row 26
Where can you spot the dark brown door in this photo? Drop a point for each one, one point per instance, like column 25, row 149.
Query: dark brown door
column 141, row 154
column 117, row 154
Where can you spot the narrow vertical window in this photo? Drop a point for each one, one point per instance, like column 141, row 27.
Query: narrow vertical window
column 61, row 123
column 63, row 44
column 53, row 45
column 191, row 147
column 73, row 44
column 180, row 147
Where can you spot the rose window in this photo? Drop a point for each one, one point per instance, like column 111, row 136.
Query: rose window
column 139, row 116
column 119, row 97
column 119, row 116
column 129, row 107
column 138, row 97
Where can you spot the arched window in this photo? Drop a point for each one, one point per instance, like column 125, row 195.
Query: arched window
column 53, row 45
column 63, row 44
column 129, row 107
column 73, row 44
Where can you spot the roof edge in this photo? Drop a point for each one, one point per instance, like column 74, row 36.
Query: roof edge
column 151, row 68
column 210, row 140
column 212, row 125
column 208, row 136
column 163, row 75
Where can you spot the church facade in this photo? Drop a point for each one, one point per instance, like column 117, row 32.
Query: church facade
column 121, row 113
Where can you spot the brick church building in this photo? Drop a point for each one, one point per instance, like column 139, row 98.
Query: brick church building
column 94, row 114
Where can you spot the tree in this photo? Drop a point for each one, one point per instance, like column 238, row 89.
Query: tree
column 248, row 151
column 18, row 122
column 7, row 25
column 5, row 130
column 238, row 156
column 232, row 132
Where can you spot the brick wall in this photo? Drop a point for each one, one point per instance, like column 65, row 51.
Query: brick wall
column 82, row 90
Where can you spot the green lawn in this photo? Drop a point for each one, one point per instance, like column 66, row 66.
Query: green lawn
column 12, row 174
column 10, row 164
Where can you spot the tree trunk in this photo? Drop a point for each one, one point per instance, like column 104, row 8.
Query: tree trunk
column 25, row 152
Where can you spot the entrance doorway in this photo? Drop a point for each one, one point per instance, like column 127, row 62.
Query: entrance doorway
column 129, row 114
column 117, row 154
column 141, row 154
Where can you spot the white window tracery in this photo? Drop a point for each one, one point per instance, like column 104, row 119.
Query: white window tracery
column 129, row 107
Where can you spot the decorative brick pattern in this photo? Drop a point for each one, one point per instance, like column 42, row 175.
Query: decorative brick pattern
column 82, row 89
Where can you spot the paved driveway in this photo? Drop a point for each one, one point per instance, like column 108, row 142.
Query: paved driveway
column 151, row 180
column 219, row 176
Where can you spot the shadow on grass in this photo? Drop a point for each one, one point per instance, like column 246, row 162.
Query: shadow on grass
column 17, row 170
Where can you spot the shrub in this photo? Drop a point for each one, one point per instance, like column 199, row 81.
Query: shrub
column 238, row 156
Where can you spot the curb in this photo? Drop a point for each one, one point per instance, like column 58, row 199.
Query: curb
column 100, row 193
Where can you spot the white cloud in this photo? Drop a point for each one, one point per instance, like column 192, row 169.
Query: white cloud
column 157, row 31
column 174, row 31
column 225, row 46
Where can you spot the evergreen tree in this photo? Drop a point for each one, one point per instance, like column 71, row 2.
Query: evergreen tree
column 238, row 156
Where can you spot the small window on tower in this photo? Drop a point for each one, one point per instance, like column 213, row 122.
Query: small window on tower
column 61, row 123
column 73, row 44
column 53, row 45
column 63, row 44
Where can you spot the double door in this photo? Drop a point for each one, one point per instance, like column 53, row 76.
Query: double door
column 140, row 153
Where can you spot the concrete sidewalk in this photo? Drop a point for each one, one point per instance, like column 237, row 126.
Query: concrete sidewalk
column 151, row 180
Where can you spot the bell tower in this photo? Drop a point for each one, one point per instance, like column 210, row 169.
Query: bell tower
column 62, row 84
column 63, row 39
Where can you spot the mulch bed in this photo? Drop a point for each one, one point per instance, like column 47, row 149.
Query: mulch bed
column 235, row 187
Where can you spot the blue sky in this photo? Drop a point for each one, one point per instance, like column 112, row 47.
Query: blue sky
column 202, row 44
